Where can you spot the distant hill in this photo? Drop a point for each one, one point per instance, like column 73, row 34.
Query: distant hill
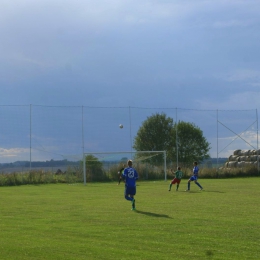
column 51, row 163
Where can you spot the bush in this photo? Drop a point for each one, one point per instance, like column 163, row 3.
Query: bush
column 145, row 171
column 36, row 177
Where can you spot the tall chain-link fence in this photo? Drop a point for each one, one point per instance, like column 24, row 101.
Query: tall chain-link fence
column 33, row 134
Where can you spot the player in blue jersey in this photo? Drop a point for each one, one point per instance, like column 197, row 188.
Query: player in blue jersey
column 195, row 176
column 130, row 176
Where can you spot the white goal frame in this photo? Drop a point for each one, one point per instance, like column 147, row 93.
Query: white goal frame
column 122, row 152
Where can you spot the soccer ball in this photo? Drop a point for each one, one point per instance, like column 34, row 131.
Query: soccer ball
column 121, row 126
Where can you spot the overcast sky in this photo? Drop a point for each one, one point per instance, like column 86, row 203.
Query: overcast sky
column 160, row 53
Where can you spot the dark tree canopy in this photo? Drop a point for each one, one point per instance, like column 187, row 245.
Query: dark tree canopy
column 94, row 168
column 192, row 145
column 155, row 135
column 158, row 133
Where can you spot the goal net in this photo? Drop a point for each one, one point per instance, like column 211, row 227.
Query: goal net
column 103, row 166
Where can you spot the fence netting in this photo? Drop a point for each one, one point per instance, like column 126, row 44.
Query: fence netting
column 55, row 137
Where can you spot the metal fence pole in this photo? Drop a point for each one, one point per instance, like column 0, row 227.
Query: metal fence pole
column 257, row 141
column 83, row 147
column 130, row 121
column 165, row 165
column 177, row 146
column 30, row 137
column 217, row 139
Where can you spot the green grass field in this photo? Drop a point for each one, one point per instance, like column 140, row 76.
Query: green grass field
column 61, row 221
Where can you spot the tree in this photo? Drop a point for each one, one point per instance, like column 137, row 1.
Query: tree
column 158, row 133
column 94, row 168
column 155, row 134
column 192, row 145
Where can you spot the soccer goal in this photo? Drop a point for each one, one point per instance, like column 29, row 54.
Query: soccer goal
column 150, row 165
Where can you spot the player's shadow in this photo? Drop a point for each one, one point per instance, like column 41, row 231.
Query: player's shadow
column 216, row 191
column 152, row 214
column 200, row 192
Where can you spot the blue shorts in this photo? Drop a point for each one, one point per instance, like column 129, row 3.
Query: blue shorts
column 130, row 191
column 194, row 178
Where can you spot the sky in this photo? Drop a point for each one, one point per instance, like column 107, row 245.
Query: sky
column 191, row 54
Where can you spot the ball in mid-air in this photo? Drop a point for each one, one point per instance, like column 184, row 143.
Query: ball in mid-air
column 121, row 126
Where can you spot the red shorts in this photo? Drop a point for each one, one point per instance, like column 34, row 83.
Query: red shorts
column 175, row 180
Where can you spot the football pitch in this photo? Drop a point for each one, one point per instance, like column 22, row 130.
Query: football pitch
column 61, row 221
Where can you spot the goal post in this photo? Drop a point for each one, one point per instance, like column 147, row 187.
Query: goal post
column 151, row 159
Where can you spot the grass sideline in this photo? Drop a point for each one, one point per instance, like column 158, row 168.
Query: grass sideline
column 62, row 221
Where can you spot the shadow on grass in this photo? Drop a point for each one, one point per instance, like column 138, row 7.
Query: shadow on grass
column 152, row 214
column 216, row 191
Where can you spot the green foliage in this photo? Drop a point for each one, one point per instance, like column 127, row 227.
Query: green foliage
column 146, row 171
column 158, row 133
column 94, row 169
column 37, row 177
column 155, row 134
column 192, row 145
